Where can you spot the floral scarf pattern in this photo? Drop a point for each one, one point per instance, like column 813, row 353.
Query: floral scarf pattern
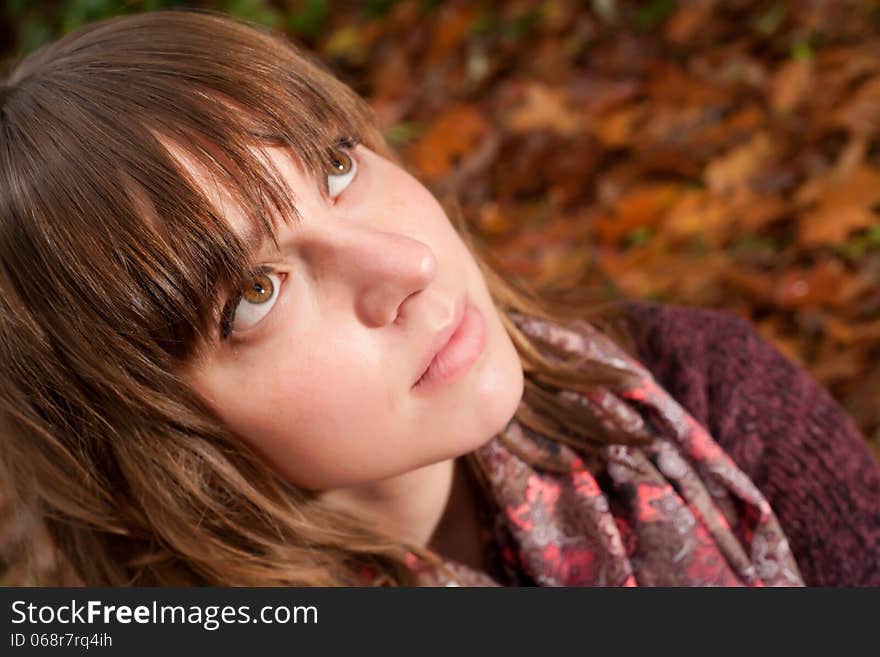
column 676, row 512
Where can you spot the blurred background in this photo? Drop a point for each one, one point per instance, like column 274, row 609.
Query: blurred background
column 712, row 154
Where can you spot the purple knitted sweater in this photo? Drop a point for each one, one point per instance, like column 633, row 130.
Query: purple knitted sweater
column 780, row 426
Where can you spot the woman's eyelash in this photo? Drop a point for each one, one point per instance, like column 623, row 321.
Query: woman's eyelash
column 346, row 144
column 227, row 315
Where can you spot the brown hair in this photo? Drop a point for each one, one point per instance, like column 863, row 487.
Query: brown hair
column 111, row 261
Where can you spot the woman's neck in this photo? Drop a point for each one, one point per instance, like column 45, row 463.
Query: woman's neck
column 457, row 535
column 408, row 506
column 433, row 506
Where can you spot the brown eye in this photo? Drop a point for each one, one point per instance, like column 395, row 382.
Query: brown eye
column 259, row 290
column 341, row 170
column 340, row 163
column 252, row 303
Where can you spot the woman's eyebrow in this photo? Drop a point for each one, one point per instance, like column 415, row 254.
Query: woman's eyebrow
column 256, row 240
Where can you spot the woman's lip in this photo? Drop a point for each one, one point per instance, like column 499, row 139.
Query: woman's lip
column 459, row 353
column 442, row 337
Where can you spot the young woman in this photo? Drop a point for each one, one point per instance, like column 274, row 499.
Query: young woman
column 242, row 346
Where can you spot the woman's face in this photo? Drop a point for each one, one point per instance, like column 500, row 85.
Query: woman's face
column 328, row 342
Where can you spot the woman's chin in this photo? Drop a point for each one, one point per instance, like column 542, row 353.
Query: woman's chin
column 499, row 390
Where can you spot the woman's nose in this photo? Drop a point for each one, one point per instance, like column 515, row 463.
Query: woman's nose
column 379, row 269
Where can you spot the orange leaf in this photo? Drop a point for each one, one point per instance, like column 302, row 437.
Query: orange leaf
column 453, row 28
column 819, row 285
column 830, row 224
column 697, row 213
column 752, row 212
column 545, row 108
column 736, row 168
column 618, row 128
column 861, row 112
column 847, row 333
column 836, row 364
column 448, row 140
column 651, row 269
column 732, row 129
column 790, row 84
column 645, row 206
column 687, row 22
column 859, row 187
column 492, row 220
column 755, row 284
column 843, row 206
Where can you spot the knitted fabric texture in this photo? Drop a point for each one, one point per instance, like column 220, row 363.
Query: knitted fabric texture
column 780, row 426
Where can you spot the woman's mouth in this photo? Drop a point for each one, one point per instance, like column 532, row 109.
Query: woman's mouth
column 463, row 348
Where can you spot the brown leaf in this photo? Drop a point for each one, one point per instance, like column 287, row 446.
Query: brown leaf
column 861, row 112
column 641, row 272
column 642, row 207
column 734, row 170
column 448, row 140
column 836, row 364
column 850, row 62
column 753, row 212
column 562, row 262
column 652, row 269
column 843, row 206
column 596, row 96
column 545, row 108
column 830, row 224
column 390, row 77
column 732, row 129
column 849, row 333
column 671, row 85
column 688, row 21
column 818, row 285
column 618, row 128
column 790, row 84
column 493, row 220
column 570, row 169
column 453, row 25
column 757, row 285
column 697, row 213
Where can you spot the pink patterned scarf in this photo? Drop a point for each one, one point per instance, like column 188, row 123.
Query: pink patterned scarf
column 677, row 512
